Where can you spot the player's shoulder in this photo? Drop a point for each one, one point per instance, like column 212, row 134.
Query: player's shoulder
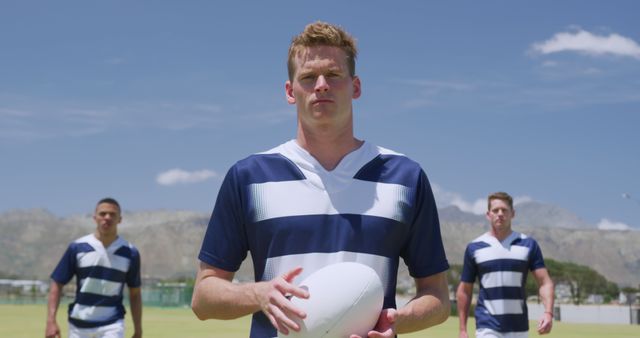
column 282, row 155
column 123, row 245
column 526, row 241
column 83, row 244
column 484, row 238
column 479, row 242
column 124, row 242
column 84, row 239
column 385, row 165
column 269, row 157
column 392, row 155
column 276, row 164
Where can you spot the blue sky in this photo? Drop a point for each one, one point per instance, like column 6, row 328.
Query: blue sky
column 152, row 101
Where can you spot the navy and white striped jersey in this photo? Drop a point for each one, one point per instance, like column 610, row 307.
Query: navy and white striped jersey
column 285, row 209
column 101, row 274
column 502, row 269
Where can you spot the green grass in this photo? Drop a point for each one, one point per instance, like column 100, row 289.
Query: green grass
column 18, row 321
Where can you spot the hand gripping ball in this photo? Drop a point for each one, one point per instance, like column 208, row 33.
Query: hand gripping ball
column 344, row 298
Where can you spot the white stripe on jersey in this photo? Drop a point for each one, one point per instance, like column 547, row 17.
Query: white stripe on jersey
column 100, row 258
column 501, row 278
column 503, row 306
column 100, row 287
column 292, row 198
column 277, row 266
column 92, row 313
column 491, row 253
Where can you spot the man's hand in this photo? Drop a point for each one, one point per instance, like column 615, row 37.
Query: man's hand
column 385, row 328
column 463, row 334
column 545, row 323
column 52, row 330
column 273, row 297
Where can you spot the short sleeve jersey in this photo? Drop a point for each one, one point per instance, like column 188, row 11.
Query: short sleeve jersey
column 101, row 274
column 285, row 209
column 502, row 269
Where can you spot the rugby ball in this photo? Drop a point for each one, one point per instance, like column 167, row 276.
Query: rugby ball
column 344, row 298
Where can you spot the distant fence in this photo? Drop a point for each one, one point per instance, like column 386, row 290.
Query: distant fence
column 594, row 314
column 157, row 294
column 167, row 294
column 20, row 299
column 179, row 295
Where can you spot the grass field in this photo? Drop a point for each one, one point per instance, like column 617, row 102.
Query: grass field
column 17, row 321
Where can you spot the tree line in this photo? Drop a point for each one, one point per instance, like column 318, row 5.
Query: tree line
column 581, row 280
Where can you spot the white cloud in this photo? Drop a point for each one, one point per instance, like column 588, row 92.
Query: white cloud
column 179, row 176
column 606, row 224
column 521, row 199
column 582, row 41
column 447, row 198
column 479, row 206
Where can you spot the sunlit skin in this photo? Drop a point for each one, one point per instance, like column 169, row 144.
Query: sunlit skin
column 107, row 217
column 322, row 90
column 500, row 215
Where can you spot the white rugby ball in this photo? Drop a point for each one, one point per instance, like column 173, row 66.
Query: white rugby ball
column 344, row 299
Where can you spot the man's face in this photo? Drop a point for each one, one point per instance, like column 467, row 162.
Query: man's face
column 322, row 88
column 107, row 218
column 500, row 214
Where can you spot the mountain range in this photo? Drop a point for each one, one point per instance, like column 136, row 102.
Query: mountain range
column 33, row 241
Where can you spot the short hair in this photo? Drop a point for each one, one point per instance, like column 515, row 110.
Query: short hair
column 109, row 200
column 323, row 34
column 500, row 195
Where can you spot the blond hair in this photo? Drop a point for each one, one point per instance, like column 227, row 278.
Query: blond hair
column 322, row 34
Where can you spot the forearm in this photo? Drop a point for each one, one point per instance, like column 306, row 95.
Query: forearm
column 52, row 329
column 217, row 298
column 546, row 295
column 430, row 307
column 135, row 302
column 545, row 288
column 464, row 293
column 463, row 302
column 422, row 312
column 53, row 301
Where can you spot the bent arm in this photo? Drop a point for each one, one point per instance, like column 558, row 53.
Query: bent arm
column 215, row 296
column 135, row 302
column 464, row 294
column 55, row 291
column 429, row 307
column 545, row 290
